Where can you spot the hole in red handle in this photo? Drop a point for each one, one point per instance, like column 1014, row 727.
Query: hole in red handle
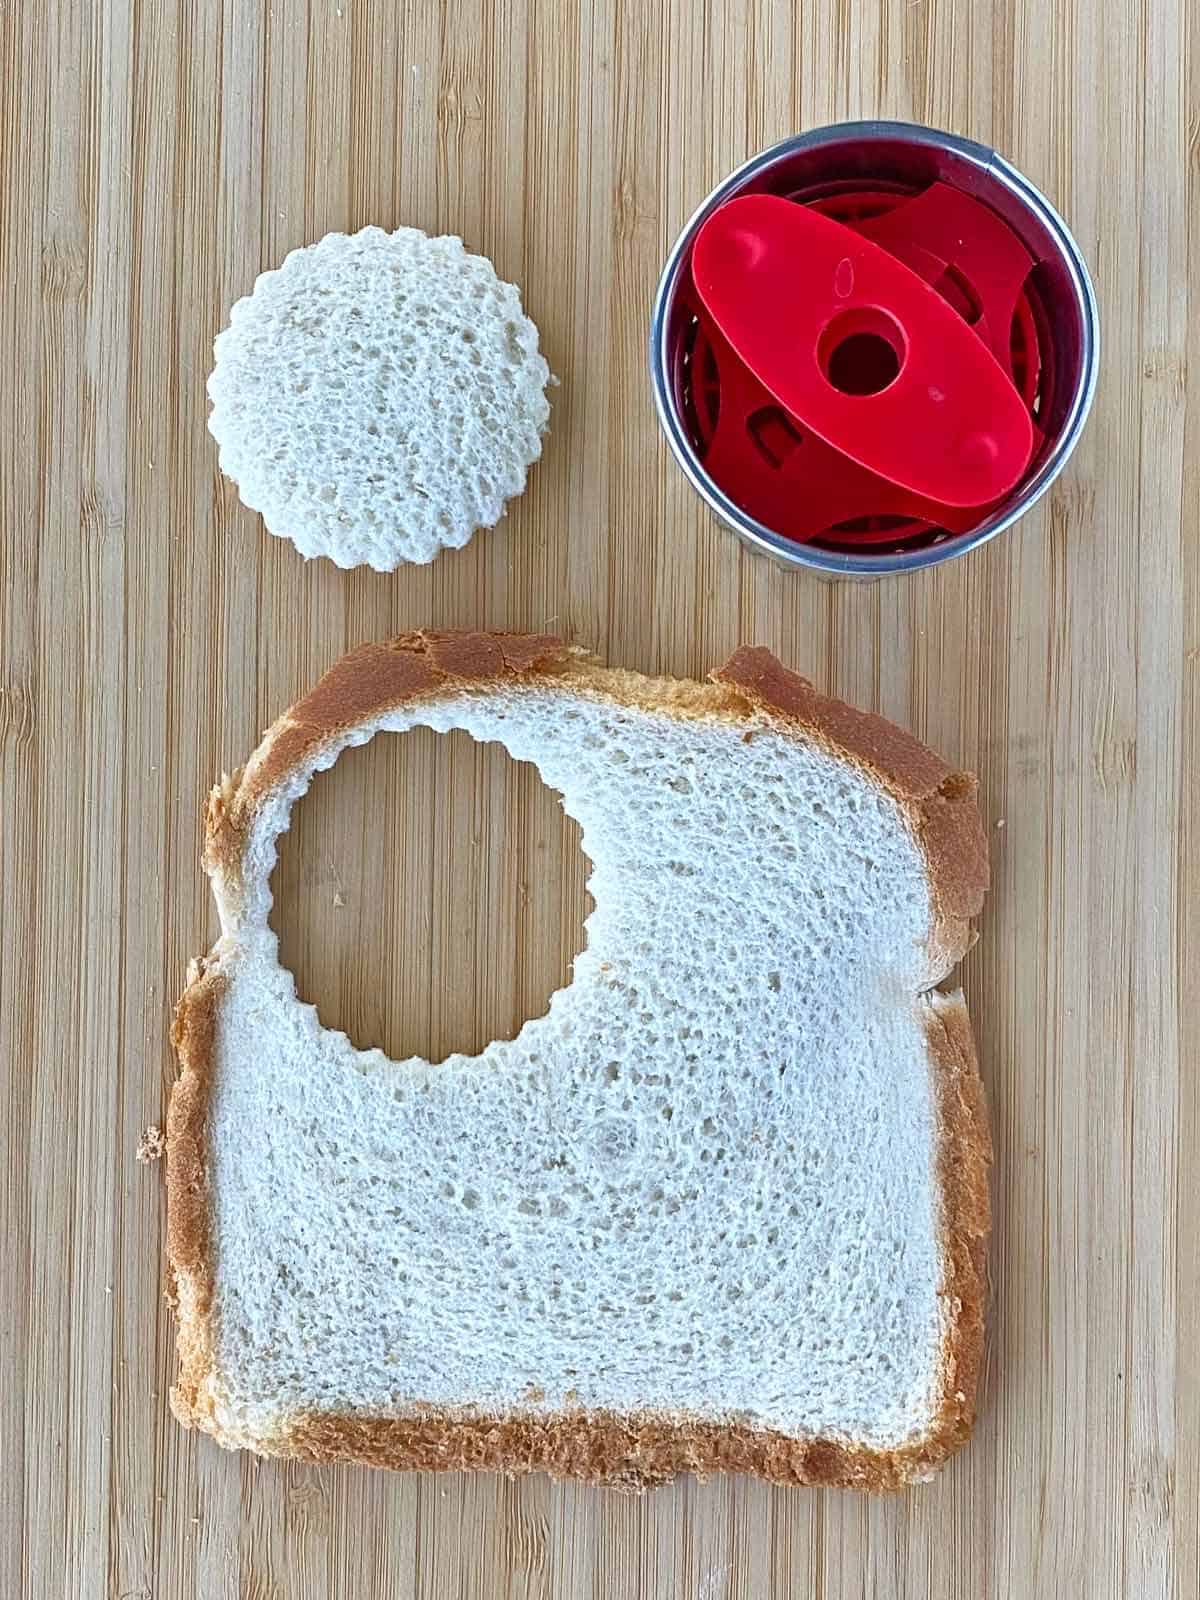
column 862, row 351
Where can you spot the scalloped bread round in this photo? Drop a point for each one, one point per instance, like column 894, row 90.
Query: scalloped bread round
column 724, row 1207
column 378, row 397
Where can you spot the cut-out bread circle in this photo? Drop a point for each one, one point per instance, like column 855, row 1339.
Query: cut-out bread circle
column 379, row 397
column 723, row 1206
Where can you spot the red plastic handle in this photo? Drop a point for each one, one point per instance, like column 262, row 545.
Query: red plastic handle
column 859, row 349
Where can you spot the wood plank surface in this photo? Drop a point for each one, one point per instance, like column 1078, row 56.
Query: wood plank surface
column 153, row 159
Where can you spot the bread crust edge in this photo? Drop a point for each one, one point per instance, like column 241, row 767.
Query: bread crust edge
column 634, row 1451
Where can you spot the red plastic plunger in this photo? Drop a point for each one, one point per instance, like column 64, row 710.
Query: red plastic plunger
column 866, row 365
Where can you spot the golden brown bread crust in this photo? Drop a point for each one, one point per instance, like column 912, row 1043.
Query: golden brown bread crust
column 964, row 1159
column 941, row 804
column 366, row 681
column 189, row 1255
column 636, row 1451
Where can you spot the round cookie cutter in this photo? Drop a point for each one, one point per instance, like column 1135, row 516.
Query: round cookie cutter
column 849, row 171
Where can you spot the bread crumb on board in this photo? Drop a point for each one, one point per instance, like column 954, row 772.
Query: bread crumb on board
column 151, row 1145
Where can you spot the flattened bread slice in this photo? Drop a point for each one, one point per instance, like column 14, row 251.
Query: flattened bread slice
column 724, row 1207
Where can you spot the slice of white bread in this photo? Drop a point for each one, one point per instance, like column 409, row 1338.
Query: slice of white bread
column 724, row 1206
column 378, row 397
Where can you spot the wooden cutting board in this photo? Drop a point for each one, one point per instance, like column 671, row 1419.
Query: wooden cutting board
column 154, row 159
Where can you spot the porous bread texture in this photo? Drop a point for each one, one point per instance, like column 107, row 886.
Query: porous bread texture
column 379, row 397
column 724, row 1205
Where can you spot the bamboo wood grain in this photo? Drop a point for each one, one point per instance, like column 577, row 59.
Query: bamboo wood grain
column 153, row 158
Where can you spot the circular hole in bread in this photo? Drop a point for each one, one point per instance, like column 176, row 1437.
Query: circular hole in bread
column 429, row 895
